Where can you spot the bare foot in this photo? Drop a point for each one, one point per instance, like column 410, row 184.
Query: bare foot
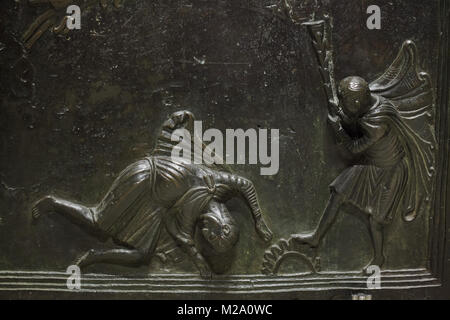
column 205, row 272
column 309, row 239
column 42, row 207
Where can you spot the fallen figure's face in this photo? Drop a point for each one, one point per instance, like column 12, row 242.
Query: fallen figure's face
column 218, row 227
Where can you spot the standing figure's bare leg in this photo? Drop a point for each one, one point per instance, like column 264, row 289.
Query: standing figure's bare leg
column 122, row 257
column 74, row 211
column 326, row 221
column 376, row 234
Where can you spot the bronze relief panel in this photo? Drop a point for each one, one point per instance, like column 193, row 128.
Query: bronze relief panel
column 229, row 149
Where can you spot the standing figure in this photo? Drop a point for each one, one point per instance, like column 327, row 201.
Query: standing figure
column 388, row 128
column 163, row 192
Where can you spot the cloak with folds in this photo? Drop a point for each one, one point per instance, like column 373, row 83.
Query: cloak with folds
column 410, row 93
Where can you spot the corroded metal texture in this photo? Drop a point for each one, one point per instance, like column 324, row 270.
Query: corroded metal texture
column 89, row 178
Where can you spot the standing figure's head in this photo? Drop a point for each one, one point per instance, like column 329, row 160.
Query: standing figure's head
column 218, row 227
column 355, row 96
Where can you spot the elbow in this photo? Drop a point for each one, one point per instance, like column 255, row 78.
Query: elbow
column 245, row 184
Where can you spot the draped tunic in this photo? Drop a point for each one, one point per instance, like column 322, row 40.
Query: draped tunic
column 159, row 196
column 377, row 183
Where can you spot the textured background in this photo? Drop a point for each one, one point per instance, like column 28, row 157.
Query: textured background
column 95, row 100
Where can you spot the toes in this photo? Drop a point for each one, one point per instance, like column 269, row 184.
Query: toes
column 307, row 239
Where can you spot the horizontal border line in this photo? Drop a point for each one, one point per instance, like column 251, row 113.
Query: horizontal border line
column 190, row 283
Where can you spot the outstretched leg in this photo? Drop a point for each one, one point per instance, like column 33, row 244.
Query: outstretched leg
column 327, row 219
column 122, row 257
column 74, row 211
column 376, row 234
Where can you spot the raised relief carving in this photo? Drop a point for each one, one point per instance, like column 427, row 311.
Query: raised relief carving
column 387, row 126
column 169, row 208
column 155, row 205
column 16, row 67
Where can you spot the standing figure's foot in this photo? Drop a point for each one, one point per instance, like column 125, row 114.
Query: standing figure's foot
column 376, row 261
column 309, row 239
column 42, row 207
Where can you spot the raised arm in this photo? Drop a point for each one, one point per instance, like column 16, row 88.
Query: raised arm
column 371, row 134
column 180, row 223
column 247, row 191
column 244, row 188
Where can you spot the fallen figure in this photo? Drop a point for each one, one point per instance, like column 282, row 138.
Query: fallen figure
column 162, row 192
